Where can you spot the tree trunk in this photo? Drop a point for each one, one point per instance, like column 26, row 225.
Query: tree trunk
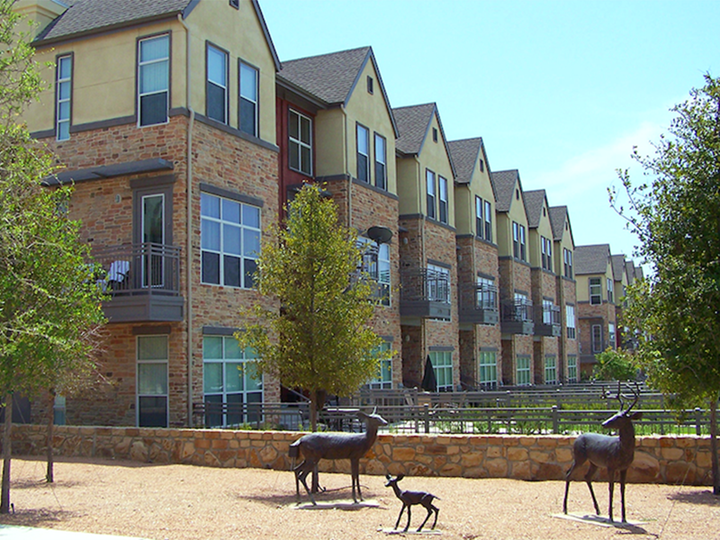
column 714, row 446
column 49, row 476
column 7, row 454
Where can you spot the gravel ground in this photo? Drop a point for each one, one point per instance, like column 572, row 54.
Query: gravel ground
column 184, row 502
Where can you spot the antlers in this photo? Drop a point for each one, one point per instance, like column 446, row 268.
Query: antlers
column 619, row 396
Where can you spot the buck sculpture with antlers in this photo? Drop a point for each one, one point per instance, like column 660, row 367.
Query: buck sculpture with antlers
column 613, row 453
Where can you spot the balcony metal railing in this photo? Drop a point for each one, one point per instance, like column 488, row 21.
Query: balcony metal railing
column 422, row 284
column 516, row 312
column 478, row 303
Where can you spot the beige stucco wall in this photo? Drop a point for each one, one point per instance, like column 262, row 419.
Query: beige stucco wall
column 565, row 243
column 410, row 191
column 433, row 156
column 465, row 201
column 544, row 228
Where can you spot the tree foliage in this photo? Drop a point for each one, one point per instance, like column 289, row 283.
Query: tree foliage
column 676, row 215
column 318, row 340
column 614, row 365
column 50, row 305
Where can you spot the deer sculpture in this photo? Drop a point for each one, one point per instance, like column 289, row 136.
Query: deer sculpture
column 411, row 498
column 613, row 453
column 352, row 446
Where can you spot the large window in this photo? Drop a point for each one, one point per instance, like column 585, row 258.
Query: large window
column 438, row 284
column 523, row 307
column 380, row 162
column 572, row 368
column 363, row 153
column 519, row 241
column 376, row 263
column 153, row 80
column 63, row 89
column 383, row 379
column 568, row 263
column 488, row 221
column 300, row 143
column 230, row 377
column 522, row 371
column 248, row 100
column 230, row 239
column 597, row 338
column 486, row 294
column 442, row 199
column 549, row 312
column 442, row 364
column 546, row 250
column 570, row 321
column 595, row 290
column 487, row 369
column 551, row 369
column 152, row 381
column 479, row 222
column 610, row 290
column 431, row 193
column 216, row 94
column 611, row 335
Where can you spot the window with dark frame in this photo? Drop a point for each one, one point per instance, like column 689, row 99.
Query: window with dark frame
column 435, row 134
column 431, row 193
column 479, row 222
column 568, row 263
column 570, row 321
column 216, row 102
column 63, row 91
column 595, row 290
column 380, row 162
column 153, row 80
column 546, row 250
column 235, row 4
column 363, row 153
column 442, row 199
column 488, row 221
column 597, row 338
column 519, row 241
column 248, row 106
column 370, row 84
column 299, row 142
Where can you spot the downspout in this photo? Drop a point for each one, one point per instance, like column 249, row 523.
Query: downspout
column 347, row 170
column 188, row 247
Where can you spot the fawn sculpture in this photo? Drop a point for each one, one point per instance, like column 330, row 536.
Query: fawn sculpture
column 612, row 453
column 410, row 498
column 352, row 446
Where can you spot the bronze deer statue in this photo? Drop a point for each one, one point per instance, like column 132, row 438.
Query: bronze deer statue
column 613, row 453
column 410, row 498
column 352, row 446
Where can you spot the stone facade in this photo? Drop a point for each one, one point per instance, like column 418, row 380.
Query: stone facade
column 677, row 460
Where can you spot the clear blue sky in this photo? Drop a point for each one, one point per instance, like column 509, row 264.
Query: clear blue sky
column 560, row 90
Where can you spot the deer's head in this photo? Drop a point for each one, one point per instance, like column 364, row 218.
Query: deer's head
column 393, row 481
column 623, row 416
column 373, row 419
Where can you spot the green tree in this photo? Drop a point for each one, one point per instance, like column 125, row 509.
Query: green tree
column 50, row 306
column 676, row 215
column 614, row 365
column 318, row 340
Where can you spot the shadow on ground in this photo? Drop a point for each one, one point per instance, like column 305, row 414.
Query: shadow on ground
column 696, row 497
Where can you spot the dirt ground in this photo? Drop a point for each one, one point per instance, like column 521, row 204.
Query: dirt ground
column 184, row 502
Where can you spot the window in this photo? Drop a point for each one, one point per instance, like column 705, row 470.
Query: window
column 487, row 370
column 300, row 143
column 370, row 84
column 522, row 371
column 518, row 241
column 568, row 263
column 442, row 364
column 488, row 221
column 438, row 284
column 235, row 4
column 611, row 335
column 443, row 199
column 551, row 369
column 572, row 368
column 383, row 379
column 570, row 321
column 376, row 263
column 380, row 162
column 153, row 80
column 152, row 381
column 481, row 164
column 610, row 291
column 230, row 376
column 523, row 306
column 430, row 186
column 548, row 311
column 595, row 291
column 546, row 249
column 216, row 89
column 486, row 294
column 435, row 135
column 230, row 239
column 597, row 338
column 63, row 89
column 363, row 153
column 249, row 102
column 479, row 222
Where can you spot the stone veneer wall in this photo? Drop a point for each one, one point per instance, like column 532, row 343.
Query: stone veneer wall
column 658, row 459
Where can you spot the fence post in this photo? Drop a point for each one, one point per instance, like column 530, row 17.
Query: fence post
column 698, row 421
column 555, row 420
column 426, row 414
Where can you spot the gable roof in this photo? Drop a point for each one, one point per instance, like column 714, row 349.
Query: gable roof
column 87, row 17
column 465, row 154
column 618, row 265
column 504, row 183
column 534, row 201
column 558, row 217
column 332, row 77
column 414, row 125
column 592, row 259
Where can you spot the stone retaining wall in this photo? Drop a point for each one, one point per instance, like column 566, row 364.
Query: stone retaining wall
column 658, row 459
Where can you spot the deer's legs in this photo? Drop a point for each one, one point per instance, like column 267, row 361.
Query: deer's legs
column 611, row 489
column 437, row 511
column 588, row 481
column 567, row 483
column 623, row 475
column 400, row 516
column 430, row 508
column 301, row 472
column 407, row 525
column 355, row 473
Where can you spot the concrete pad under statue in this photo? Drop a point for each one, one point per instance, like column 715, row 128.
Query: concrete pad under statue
column 431, row 532
column 339, row 504
column 600, row 521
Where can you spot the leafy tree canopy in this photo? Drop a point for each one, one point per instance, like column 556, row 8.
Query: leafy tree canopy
column 614, row 365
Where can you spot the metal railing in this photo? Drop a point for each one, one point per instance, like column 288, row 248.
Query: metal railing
column 518, row 312
column 422, row 285
column 145, row 268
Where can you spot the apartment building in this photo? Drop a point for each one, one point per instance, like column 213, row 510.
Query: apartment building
column 477, row 266
column 171, row 148
column 428, row 259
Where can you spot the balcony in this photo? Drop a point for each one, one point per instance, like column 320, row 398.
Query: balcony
column 143, row 281
column 478, row 304
column 516, row 318
column 425, row 294
column 548, row 317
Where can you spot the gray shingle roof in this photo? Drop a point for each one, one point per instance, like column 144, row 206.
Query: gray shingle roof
column 558, row 217
column 413, row 124
column 504, row 183
column 591, row 259
column 618, row 266
column 534, row 201
column 465, row 154
column 330, row 77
